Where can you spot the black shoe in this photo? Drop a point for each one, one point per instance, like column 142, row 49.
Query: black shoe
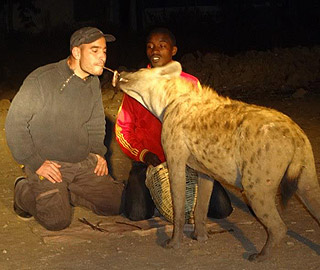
column 20, row 212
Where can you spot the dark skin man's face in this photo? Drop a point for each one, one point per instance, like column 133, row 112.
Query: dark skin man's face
column 160, row 50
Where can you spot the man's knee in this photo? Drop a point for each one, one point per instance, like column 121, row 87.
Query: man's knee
column 109, row 208
column 53, row 211
column 138, row 202
column 55, row 224
column 220, row 203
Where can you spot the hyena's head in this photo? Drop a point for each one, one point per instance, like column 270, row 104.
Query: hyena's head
column 148, row 85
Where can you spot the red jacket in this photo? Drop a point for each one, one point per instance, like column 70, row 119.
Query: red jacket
column 138, row 131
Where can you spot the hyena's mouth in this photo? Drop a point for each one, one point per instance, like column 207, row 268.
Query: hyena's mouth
column 116, row 77
column 121, row 78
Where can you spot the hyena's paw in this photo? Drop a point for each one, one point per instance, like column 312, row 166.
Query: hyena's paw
column 170, row 243
column 200, row 237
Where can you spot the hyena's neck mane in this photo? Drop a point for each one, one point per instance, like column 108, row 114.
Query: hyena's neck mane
column 180, row 90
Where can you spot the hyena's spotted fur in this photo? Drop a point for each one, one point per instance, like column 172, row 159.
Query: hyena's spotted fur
column 254, row 148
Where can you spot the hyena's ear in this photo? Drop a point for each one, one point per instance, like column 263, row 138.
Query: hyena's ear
column 171, row 70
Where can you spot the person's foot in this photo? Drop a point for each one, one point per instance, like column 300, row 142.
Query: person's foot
column 20, row 212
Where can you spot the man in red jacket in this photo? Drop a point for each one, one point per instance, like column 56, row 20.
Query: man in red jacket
column 138, row 133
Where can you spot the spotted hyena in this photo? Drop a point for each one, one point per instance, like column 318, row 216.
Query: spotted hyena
column 254, row 148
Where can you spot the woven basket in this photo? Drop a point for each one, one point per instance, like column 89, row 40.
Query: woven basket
column 157, row 181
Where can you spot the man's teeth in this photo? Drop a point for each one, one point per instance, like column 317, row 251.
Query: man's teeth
column 155, row 58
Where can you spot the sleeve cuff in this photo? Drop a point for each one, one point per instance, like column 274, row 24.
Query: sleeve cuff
column 142, row 154
column 33, row 162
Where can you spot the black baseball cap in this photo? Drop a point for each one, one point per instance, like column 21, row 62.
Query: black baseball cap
column 87, row 35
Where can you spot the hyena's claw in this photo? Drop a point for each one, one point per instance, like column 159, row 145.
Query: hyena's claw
column 171, row 244
column 252, row 257
column 200, row 238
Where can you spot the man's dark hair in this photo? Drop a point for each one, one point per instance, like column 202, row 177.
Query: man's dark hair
column 165, row 31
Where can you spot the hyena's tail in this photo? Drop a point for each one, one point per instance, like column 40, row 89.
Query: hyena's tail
column 300, row 168
column 301, row 177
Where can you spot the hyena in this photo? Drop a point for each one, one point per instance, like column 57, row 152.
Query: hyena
column 254, row 148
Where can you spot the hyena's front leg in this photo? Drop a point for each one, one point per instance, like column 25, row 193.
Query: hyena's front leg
column 177, row 176
column 205, row 185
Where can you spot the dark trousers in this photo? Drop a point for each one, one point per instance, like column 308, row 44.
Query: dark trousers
column 139, row 205
column 51, row 203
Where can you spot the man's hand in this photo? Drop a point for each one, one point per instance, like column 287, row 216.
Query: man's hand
column 151, row 159
column 102, row 166
column 51, row 171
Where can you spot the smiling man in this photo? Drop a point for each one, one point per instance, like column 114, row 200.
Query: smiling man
column 56, row 127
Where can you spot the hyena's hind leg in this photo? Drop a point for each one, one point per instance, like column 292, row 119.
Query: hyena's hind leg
column 205, row 185
column 261, row 194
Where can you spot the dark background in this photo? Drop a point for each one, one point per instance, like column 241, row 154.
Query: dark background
column 236, row 26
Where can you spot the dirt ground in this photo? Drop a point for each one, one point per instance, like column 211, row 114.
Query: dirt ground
column 123, row 244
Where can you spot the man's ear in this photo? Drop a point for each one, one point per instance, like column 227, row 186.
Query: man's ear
column 174, row 50
column 76, row 52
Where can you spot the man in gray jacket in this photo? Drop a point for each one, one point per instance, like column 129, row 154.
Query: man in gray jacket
column 55, row 127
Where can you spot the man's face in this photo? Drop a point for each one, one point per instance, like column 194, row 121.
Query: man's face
column 93, row 57
column 160, row 50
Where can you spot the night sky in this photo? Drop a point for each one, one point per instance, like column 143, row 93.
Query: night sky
column 236, row 26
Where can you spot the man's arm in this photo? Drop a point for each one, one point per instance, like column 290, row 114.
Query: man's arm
column 24, row 106
column 97, row 128
column 126, row 128
column 96, row 131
